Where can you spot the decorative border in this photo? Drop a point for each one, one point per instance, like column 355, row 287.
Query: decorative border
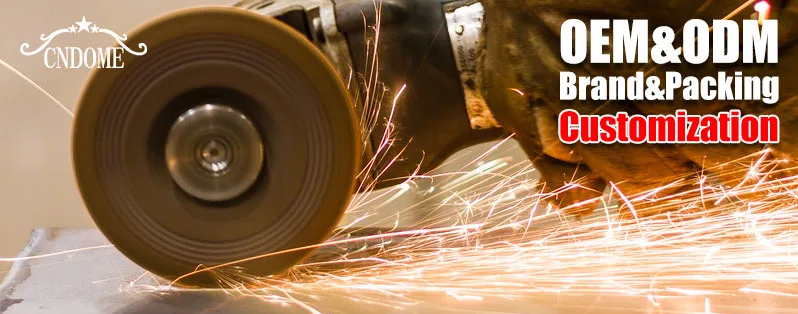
column 78, row 27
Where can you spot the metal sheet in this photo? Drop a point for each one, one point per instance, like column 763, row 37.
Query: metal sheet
column 97, row 280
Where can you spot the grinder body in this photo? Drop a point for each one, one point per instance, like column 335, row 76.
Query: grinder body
column 414, row 50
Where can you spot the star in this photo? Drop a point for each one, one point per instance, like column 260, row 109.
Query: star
column 94, row 28
column 72, row 29
column 83, row 25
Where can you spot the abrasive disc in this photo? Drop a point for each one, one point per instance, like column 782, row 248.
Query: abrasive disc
column 231, row 137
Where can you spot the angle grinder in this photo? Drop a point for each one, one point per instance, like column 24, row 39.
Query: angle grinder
column 239, row 133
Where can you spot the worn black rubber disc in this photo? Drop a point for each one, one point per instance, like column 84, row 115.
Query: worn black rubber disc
column 232, row 137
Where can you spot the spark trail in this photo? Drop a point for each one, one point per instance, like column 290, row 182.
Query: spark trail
column 37, row 86
column 505, row 241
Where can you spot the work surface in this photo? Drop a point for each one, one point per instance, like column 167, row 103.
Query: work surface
column 53, row 277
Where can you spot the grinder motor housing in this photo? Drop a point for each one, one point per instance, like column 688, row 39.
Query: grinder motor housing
column 431, row 46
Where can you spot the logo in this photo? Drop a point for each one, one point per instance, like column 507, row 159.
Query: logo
column 75, row 57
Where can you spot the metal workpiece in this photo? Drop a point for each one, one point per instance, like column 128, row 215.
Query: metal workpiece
column 58, row 284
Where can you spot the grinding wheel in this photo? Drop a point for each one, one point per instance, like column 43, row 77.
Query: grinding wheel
column 231, row 137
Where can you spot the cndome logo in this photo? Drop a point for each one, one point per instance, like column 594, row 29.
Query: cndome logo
column 74, row 57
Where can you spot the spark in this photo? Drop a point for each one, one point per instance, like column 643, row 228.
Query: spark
column 64, row 252
column 495, row 246
column 709, row 239
column 329, row 243
column 762, row 9
column 517, row 91
column 37, row 86
column 707, row 309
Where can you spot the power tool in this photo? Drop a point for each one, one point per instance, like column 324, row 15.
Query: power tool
column 240, row 132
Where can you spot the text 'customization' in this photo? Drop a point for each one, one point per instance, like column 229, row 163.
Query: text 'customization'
column 610, row 42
